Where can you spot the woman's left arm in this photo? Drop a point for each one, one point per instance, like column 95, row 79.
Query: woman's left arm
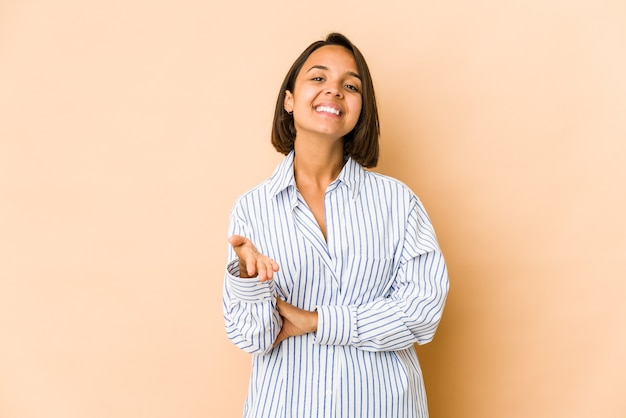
column 410, row 310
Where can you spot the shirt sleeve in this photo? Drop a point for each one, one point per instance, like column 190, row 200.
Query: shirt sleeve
column 412, row 308
column 250, row 314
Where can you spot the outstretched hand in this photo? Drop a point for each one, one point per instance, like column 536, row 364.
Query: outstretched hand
column 251, row 262
column 296, row 321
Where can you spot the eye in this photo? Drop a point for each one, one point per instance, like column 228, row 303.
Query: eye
column 317, row 79
column 352, row 87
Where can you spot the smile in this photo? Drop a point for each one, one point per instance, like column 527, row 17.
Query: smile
column 328, row 109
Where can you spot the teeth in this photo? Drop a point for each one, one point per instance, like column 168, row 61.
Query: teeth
column 327, row 109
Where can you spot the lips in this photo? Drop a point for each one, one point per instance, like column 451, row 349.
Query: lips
column 328, row 109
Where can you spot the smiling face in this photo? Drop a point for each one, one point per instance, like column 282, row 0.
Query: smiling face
column 326, row 98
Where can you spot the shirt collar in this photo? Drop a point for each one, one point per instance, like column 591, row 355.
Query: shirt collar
column 283, row 178
column 352, row 175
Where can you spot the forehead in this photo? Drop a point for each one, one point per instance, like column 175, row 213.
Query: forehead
column 334, row 57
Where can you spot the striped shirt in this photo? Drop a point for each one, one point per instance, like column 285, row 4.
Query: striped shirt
column 378, row 282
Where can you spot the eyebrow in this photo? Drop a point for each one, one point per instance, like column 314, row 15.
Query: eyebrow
column 323, row 67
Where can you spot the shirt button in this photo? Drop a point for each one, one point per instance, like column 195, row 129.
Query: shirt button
column 329, row 392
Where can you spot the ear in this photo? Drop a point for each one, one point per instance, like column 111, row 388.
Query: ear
column 288, row 103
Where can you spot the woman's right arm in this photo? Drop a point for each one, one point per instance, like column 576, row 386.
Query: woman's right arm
column 249, row 297
column 252, row 321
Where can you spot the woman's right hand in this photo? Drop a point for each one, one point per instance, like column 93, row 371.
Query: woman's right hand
column 251, row 262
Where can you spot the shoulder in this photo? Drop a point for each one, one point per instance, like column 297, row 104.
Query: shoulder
column 254, row 196
column 387, row 186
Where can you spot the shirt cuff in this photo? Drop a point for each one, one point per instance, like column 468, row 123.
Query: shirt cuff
column 336, row 325
column 249, row 290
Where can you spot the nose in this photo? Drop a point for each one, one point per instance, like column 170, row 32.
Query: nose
column 334, row 89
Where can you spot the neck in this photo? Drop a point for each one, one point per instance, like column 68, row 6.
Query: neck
column 317, row 162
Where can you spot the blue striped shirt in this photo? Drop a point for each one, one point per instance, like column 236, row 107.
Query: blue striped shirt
column 378, row 282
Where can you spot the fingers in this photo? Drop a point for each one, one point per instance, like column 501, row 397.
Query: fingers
column 281, row 306
column 271, row 267
column 281, row 336
column 251, row 262
column 296, row 321
column 265, row 268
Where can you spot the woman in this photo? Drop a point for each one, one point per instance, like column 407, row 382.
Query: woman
column 334, row 271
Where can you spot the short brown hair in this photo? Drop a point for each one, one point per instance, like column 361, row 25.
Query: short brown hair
column 361, row 144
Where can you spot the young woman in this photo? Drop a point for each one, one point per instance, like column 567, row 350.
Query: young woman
column 334, row 271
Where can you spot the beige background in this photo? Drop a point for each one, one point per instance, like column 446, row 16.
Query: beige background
column 128, row 128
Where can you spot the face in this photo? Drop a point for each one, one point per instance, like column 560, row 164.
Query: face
column 326, row 99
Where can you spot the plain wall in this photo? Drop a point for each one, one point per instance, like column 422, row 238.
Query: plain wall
column 128, row 128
